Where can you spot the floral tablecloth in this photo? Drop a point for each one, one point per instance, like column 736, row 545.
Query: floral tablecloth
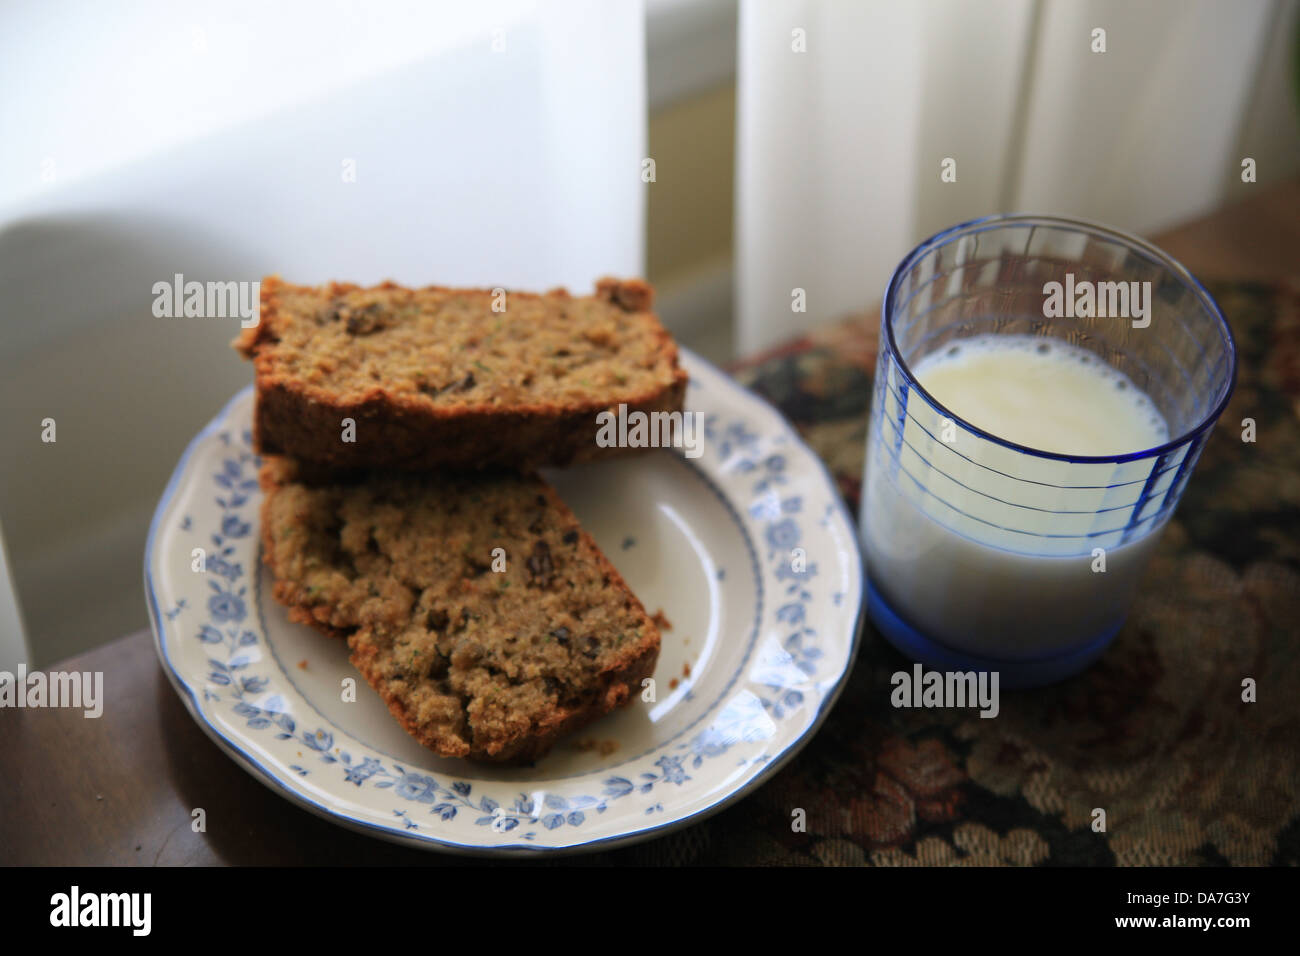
column 1156, row 733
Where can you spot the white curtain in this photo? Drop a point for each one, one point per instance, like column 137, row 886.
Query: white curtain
column 839, row 147
column 489, row 144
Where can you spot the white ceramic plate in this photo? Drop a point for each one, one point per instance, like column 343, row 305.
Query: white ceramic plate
column 747, row 550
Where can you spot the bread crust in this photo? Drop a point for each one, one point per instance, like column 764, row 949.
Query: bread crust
column 400, row 430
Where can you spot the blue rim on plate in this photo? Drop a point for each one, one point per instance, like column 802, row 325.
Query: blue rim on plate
column 804, row 670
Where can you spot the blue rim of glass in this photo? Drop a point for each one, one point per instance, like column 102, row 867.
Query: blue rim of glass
column 985, row 223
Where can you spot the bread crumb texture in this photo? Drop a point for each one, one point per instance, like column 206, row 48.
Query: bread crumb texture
column 449, row 348
column 453, row 377
column 474, row 662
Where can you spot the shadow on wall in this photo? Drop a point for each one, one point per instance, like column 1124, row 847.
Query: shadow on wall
column 126, row 392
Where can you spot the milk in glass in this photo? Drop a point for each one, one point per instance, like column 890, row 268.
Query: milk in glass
column 945, row 546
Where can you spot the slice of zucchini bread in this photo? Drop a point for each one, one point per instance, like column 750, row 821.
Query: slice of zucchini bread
column 462, row 378
column 481, row 653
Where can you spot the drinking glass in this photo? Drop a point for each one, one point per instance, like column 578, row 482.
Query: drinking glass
column 983, row 554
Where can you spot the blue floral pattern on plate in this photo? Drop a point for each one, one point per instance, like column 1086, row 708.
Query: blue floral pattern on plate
column 213, row 649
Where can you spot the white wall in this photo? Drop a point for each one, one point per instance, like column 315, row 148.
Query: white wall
column 91, row 85
column 518, row 167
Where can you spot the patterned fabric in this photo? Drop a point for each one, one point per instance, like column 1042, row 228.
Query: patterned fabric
column 1156, row 733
